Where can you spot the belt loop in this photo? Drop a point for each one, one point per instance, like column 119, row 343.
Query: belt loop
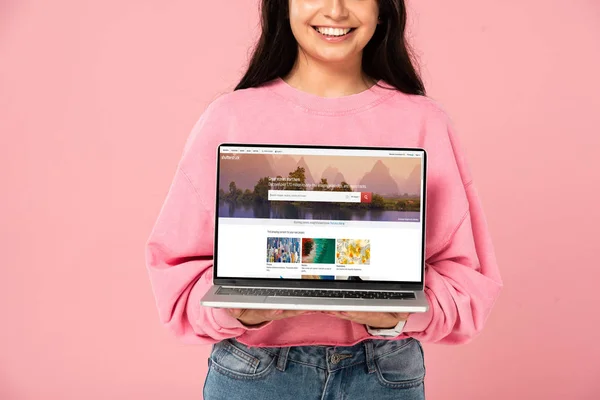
column 369, row 352
column 282, row 358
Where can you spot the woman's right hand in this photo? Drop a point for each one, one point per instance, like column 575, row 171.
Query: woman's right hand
column 255, row 318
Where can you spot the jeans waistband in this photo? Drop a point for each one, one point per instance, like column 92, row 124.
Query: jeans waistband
column 333, row 358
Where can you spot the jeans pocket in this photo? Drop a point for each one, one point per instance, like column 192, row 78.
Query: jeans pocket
column 403, row 366
column 237, row 361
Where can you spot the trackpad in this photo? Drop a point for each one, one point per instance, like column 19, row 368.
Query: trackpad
column 312, row 300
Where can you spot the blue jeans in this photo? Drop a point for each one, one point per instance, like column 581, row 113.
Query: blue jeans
column 374, row 369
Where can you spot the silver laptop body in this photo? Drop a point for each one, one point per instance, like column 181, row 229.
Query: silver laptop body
column 319, row 228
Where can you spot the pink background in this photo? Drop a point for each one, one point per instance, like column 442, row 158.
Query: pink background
column 98, row 97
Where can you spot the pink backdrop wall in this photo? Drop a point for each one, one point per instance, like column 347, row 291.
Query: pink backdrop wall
column 97, row 99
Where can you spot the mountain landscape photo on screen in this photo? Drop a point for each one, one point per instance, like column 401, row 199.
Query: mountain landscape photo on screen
column 393, row 185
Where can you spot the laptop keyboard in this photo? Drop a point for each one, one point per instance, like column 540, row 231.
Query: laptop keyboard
column 335, row 294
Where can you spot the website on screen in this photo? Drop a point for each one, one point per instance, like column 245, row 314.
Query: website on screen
column 330, row 214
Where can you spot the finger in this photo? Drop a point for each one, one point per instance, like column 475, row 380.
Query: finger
column 334, row 313
column 235, row 312
column 352, row 315
column 331, row 313
column 296, row 312
column 275, row 314
column 341, row 314
column 358, row 317
column 269, row 315
column 290, row 314
column 402, row 316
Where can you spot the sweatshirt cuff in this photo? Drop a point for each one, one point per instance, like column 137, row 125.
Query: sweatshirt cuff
column 226, row 321
column 418, row 322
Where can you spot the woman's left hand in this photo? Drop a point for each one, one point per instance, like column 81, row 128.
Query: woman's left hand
column 376, row 320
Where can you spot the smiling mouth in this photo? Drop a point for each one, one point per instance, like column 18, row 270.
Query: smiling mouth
column 333, row 32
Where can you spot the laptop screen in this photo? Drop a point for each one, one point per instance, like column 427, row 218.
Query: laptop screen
column 320, row 213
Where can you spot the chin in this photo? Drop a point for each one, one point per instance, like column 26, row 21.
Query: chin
column 340, row 61
column 337, row 58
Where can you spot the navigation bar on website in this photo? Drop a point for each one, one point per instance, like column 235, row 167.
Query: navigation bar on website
column 320, row 151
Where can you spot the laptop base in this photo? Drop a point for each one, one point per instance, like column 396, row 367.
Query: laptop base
column 418, row 304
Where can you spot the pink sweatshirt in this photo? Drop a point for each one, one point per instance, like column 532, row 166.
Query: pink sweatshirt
column 462, row 279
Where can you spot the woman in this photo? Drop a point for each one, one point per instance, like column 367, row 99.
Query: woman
column 325, row 72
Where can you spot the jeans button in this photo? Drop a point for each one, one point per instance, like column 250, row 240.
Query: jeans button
column 336, row 358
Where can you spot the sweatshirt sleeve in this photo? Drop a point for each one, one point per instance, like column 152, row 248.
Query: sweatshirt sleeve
column 179, row 250
column 462, row 281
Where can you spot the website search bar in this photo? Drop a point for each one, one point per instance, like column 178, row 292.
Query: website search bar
column 319, row 196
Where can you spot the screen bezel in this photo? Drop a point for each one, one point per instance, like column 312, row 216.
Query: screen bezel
column 315, row 283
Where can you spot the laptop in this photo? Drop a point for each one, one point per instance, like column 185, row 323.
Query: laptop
column 327, row 228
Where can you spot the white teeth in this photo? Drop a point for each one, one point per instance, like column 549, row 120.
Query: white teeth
column 332, row 31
